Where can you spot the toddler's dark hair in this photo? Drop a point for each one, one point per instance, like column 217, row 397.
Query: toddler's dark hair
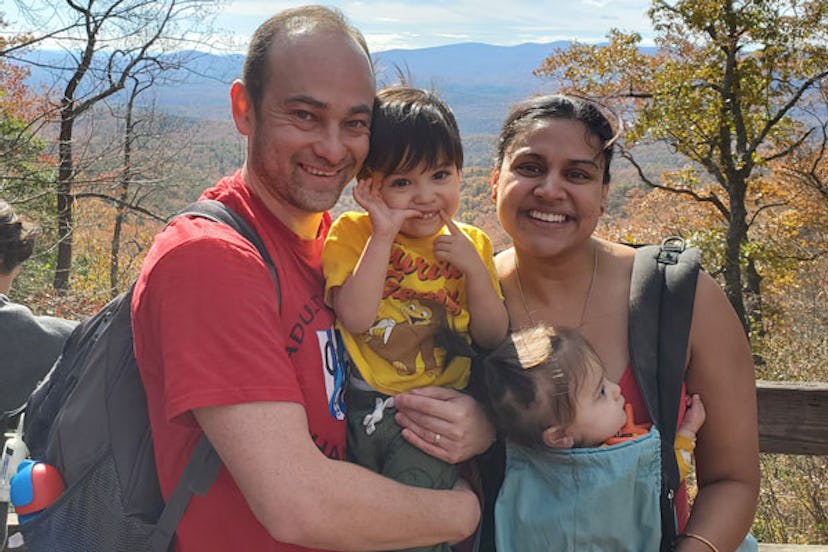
column 531, row 380
column 409, row 127
column 16, row 239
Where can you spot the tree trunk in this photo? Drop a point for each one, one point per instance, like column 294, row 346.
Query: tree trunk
column 121, row 209
column 65, row 199
column 115, row 248
column 736, row 235
column 753, row 298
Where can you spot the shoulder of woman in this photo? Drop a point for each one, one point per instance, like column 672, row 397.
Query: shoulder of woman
column 710, row 295
column 617, row 258
column 615, row 249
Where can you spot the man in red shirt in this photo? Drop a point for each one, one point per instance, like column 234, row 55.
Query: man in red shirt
column 219, row 355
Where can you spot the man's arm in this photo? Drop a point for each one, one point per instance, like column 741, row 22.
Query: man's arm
column 290, row 486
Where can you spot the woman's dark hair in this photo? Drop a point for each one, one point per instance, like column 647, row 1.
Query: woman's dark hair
column 524, row 115
column 411, row 127
column 16, row 239
column 256, row 70
column 531, row 380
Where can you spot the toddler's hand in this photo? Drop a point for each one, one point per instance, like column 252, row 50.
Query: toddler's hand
column 694, row 416
column 456, row 248
column 384, row 220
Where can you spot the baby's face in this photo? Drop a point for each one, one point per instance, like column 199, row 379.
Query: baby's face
column 428, row 190
column 599, row 410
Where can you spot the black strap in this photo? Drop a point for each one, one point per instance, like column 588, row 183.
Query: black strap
column 219, row 212
column 662, row 291
column 201, row 471
column 203, row 466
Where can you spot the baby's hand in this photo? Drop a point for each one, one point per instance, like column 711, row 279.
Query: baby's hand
column 694, row 417
column 456, row 248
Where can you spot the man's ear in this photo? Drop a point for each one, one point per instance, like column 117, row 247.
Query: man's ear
column 241, row 107
column 493, row 182
column 557, row 437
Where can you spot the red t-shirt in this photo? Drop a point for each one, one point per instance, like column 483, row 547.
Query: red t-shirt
column 629, row 388
column 209, row 331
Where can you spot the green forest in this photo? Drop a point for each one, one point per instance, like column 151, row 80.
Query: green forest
column 723, row 141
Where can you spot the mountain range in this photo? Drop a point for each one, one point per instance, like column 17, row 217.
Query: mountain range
column 479, row 81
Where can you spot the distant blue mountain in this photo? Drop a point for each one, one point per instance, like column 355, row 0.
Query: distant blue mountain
column 479, row 81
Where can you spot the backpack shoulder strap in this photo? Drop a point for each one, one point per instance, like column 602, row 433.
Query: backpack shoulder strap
column 662, row 291
column 202, row 468
column 221, row 213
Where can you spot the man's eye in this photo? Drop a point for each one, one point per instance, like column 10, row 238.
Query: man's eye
column 358, row 124
column 303, row 115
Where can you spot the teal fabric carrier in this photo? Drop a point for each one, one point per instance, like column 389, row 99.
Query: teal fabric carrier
column 584, row 499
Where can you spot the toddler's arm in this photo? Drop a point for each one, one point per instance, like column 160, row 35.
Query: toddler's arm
column 357, row 300
column 489, row 320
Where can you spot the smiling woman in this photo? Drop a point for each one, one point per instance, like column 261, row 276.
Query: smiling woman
column 550, row 185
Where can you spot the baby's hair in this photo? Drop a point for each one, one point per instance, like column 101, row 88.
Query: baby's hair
column 410, row 127
column 531, row 380
column 16, row 239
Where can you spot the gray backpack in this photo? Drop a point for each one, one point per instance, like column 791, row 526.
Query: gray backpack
column 88, row 419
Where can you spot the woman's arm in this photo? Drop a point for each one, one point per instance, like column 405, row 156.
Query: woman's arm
column 721, row 371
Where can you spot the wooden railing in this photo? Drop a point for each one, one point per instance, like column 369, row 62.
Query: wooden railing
column 793, row 417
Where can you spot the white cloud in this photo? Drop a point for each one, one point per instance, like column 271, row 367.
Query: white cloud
column 423, row 23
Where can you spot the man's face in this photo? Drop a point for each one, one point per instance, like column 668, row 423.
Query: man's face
column 310, row 133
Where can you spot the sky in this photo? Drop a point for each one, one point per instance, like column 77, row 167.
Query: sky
column 412, row 24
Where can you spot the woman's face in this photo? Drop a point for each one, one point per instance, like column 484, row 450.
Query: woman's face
column 549, row 188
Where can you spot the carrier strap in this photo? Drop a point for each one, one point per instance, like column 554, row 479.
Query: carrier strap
column 662, row 291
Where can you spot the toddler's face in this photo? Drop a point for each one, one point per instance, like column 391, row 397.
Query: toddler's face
column 427, row 190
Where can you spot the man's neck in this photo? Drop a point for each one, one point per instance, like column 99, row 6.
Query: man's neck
column 304, row 224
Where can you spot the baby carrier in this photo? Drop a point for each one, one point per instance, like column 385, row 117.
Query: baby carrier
column 620, row 497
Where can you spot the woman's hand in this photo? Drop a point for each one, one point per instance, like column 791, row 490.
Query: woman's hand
column 463, row 428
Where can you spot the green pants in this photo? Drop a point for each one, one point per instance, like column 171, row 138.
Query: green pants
column 386, row 452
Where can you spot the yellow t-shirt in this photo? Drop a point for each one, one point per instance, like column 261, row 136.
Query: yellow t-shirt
column 398, row 352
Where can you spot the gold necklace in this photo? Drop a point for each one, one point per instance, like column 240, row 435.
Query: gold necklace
column 586, row 299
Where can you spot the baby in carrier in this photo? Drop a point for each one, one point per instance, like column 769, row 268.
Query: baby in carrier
column 573, row 449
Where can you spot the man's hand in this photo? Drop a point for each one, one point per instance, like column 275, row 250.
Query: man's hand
column 457, row 418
